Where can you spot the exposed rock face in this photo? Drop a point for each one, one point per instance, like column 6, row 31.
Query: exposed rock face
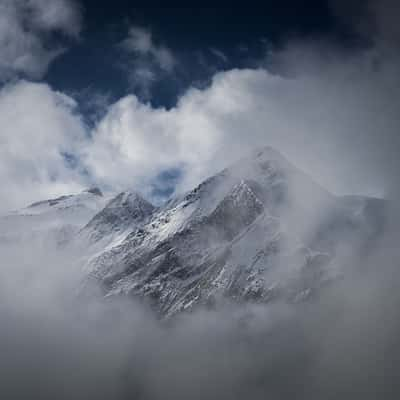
column 126, row 210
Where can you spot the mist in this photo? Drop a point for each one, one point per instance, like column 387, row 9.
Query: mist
column 57, row 343
column 60, row 338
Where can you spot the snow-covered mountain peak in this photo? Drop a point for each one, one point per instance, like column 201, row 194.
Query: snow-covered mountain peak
column 124, row 212
column 262, row 160
column 236, row 235
column 59, row 218
column 129, row 199
column 264, row 173
column 88, row 199
column 259, row 230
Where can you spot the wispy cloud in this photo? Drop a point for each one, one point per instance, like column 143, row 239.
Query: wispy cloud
column 140, row 42
column 25, row 30
column 219, row 54
column 148, row 61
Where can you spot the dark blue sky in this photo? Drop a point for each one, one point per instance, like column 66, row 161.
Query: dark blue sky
column 96, row 64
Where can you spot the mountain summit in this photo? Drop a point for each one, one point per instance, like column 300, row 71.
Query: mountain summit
column 260, row 230
column 59, row 218
column 124, row 211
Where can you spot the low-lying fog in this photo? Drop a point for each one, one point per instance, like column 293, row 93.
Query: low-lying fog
column 59, row 342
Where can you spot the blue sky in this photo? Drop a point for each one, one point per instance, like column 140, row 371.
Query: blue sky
column 204, row 40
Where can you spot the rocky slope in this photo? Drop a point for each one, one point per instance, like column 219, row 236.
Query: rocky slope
column 123, row 212
column 259, row 231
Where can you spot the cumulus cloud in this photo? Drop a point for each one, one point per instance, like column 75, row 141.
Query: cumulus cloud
column 148, row 61
column 328, row 107
column 333, row 114
column 38, row 128
column 314, row 102
column 26, row 27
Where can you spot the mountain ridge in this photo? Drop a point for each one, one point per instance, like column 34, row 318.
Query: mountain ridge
column 244, row 234
column 260, row 230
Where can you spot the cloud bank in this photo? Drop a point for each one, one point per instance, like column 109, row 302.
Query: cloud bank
column 57, row 344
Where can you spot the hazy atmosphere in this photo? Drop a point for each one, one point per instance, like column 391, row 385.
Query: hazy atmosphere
column 199, row 202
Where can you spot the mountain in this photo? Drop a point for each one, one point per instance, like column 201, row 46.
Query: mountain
column 123, row 212
column 260, row 230
column 59, row 218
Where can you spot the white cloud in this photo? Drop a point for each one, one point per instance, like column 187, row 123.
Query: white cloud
column 205, row 131
column 25, row 26
column 336, row 120
column 140, row 41
column 37, row 125
column 148, row 61
column 58, row 15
